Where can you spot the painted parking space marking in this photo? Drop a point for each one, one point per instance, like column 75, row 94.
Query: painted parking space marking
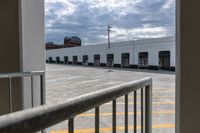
column 109, row 129
column 122, row 113
column 154, row 103
column 154, row 97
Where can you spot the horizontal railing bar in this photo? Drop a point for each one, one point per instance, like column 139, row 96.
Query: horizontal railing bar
column 21, row 74
column 38, row 118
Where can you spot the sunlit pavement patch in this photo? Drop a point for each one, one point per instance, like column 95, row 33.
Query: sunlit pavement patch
column 65, row 81
column 129, row 113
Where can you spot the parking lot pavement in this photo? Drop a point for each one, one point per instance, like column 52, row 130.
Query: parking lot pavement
column 65, row 82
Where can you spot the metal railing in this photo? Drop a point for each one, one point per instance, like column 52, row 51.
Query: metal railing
column 39, row 118
column 11, row 76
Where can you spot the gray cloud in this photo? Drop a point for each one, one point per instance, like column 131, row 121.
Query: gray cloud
column 130, row 19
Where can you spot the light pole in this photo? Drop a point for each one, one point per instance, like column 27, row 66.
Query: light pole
column 108, row 29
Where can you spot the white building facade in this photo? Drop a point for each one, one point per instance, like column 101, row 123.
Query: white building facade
column 155, row 54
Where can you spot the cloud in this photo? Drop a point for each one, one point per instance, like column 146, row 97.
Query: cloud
column 137, row 33
column 59, row 8
column 168, row 4
column 130, row 19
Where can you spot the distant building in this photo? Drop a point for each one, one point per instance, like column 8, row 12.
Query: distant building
column 51, row 45
column 153, row 53
column 73, row 41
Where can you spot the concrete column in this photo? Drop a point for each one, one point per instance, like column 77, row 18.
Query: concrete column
column 188, row 67
column 32, row 45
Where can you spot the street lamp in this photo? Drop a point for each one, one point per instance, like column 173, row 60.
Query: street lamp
column 108, row 29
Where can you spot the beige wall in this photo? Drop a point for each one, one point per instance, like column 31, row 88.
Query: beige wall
column 188, row 74
column 9, row 52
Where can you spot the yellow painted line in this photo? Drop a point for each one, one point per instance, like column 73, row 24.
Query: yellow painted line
column 154, row 97
column 160, row 97
column 129, row 113
column 109, row 129
column 163, row 97
column 154, row 103
column 155, row 91
column 164, row 89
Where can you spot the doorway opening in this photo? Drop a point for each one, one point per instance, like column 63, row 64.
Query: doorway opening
column 143, row 60
column 66, row 60
column 164, row 60
column 75, row 60
column 50, row 60
column 125, row 60
column 97, row 60
column 85, row 60
column 58, row 60
column 110, row 60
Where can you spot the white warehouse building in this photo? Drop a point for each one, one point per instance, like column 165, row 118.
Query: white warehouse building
column 154, row 54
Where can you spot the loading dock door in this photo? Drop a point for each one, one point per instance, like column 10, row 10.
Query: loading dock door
column 164, row 60
column 97, row 60
column 110, row 60
column 57, row 59
column 75, row 59
column 66, row 59
column 143, row 60
column 85, row 60
column 125, row 59
column 50, row 59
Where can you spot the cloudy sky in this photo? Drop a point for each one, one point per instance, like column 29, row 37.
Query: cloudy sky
column 130, row 19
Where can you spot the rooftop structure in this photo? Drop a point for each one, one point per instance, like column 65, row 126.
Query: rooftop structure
column 73, row 41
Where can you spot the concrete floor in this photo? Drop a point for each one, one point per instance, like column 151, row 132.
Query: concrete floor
column 65, row 82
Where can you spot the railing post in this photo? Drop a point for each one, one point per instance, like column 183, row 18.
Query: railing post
column 126, row 113
column 114, row 117
column 148, row 109
column 43, row 90
column 71, row 125
column 142, row 111
column 97, row 120
column 43, row 93
column 10, row 94
column 32, row 97
column 135, row 111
